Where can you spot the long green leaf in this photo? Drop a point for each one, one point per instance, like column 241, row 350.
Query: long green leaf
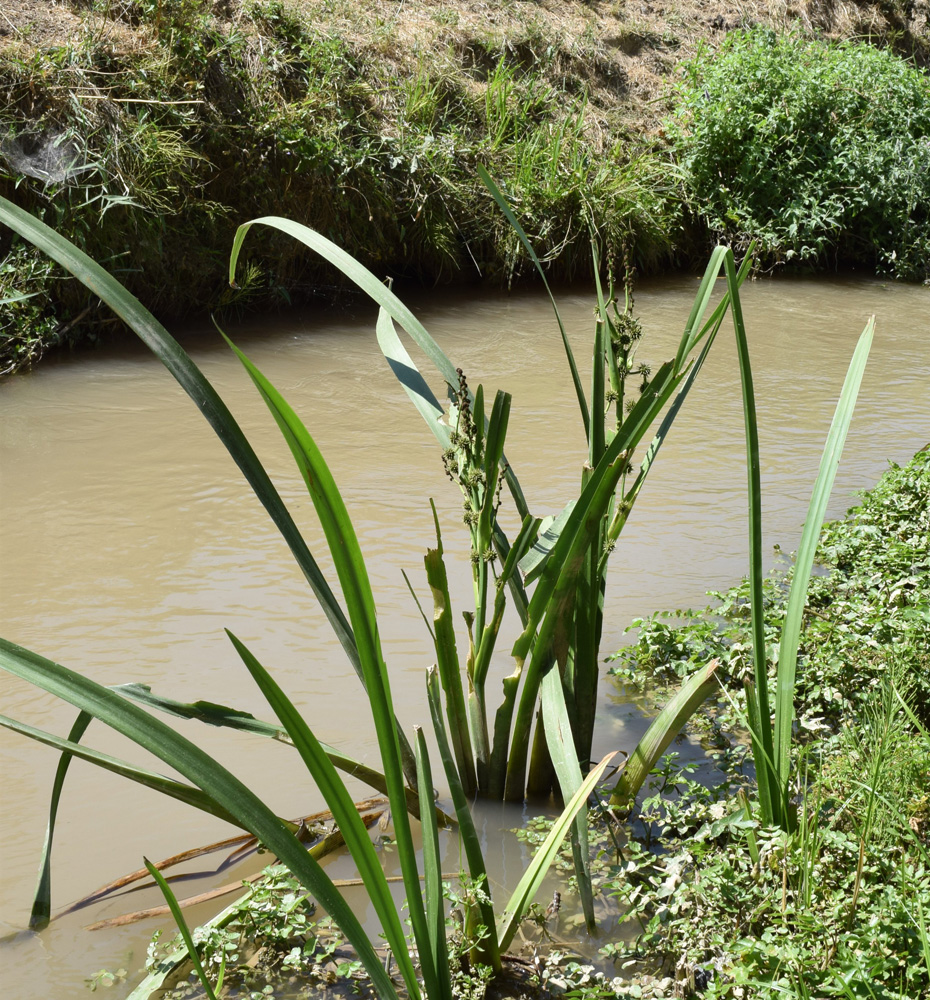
column 42, row 901
column 804, row 561
column 410, row 378
column 602, row 347
column 360, row 604
column 542, row 860
column 441, row 988
column 470, row 840
column 178, row 916
column 195, row 384
column 560, row 738
column 760, row 706
column 665, row 727
column 342, row 807
column 202, row 770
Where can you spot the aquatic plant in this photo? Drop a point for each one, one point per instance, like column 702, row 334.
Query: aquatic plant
column 215, row 789
column 556, row 654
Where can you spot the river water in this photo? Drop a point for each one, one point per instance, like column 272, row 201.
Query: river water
column 129, row 541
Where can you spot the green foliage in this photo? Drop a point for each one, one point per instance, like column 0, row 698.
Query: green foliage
column 269, row 937
column 28, row 326
column 873, row 597
column 837, row 906
column 762, row 911
column 152, row 153
column 818, row 152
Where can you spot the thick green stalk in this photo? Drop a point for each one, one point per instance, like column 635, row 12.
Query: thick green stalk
column 486, row 950
column 553, row 599
column 450, row 673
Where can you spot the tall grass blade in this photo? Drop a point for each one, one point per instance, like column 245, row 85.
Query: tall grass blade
column 665, row 727
column 542, row 860
column 761, row 710
column 178, row 916
column 432, row 877
column 202, row 770
column 560, row 739
column 41, row 911
column 524, row 239
column 342, row 807
column 804, row 561
column 356, row 589
column 470, row 840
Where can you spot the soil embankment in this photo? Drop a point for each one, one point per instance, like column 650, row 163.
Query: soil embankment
column 146, row 132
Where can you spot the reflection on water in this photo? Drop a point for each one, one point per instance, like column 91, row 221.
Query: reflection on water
column 129, row 541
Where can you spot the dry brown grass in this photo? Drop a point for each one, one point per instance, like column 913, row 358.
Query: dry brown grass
column 623, row 53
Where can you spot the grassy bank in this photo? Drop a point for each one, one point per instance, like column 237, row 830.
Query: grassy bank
column 149, row 130
column 839, row 908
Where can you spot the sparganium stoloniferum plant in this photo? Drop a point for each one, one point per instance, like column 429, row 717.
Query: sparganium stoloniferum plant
column 554, row 570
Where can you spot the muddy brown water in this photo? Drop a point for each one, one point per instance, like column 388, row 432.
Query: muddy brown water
column 129, row 541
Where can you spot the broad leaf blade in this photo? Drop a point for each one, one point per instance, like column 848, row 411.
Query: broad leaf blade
column 410, row 378
column 668, row 724
column 202, row 770
column 536, row 872
column 804, row 561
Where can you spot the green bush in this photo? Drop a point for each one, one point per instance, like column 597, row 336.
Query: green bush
column 867, row 612
column 819, row 152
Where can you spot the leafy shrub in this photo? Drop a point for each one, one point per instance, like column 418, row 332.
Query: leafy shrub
column 814, row 150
